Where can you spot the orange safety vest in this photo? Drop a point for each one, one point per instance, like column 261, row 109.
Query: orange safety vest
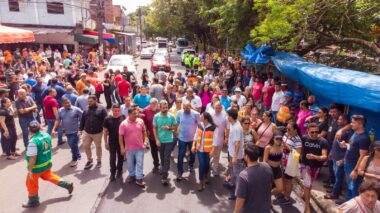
column 207, row 135
column 283, row 115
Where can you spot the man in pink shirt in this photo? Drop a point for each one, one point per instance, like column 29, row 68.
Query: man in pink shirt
column 132, row 142
column 268, row 92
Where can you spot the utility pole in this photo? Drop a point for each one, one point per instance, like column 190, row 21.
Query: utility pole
column 100, row 13
column 140, row 20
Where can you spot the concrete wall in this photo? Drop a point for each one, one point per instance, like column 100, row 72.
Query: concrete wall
column 35, row 13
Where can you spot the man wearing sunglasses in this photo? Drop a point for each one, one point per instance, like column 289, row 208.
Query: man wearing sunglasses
column 314, row 153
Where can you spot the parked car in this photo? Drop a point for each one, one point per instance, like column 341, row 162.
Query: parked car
column 162, row 52
column 117, row 62
column 146, row 54
column 189, row 51
column 159, row 62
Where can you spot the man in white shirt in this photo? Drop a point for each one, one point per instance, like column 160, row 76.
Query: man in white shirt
column 196, row 103
column 57, row 54
column 235, row 150
column 221, row 123
column 277, row 99
column 241, row 100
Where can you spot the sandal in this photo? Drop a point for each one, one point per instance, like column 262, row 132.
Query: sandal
column 11, row 157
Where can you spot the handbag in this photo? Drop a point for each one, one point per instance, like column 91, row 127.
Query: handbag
column 292, row 166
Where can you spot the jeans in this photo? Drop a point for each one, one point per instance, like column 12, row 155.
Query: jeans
column 235, row 169
column 330, row 164
column 274, row 114
column 72, row 140
column 339, row 178
column 183, row 146
column 115, row 154
column 165, row 150
column 9, row 144
column 135, row 161
column 50, row 123
column 24, row 124
column 154, row 152
column 352, row 185
column 204, row 164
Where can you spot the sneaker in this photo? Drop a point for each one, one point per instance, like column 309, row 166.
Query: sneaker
column 11, row 157
column 228, row 185
column 89, row 164
column 201, row 187
column 31, row 204
column 164, row 181
column 60, row 144
column 112, row 178
column 155, row 170
column 73, row 163
column 70, row 188
column 131, row 179
column 140, row 182
column 284, row 201
column 179, row 178
column 331, row 197
column 98, row 164
column 232, row 197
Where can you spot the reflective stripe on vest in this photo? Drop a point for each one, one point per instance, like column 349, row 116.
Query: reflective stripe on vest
column 42, row 164
column 208, row 137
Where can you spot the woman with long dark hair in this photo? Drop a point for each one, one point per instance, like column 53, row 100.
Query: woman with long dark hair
column 8, row 129
column 206, row 95
column 203, row 145
column 265, row 132
column 369, row 167
column 291, row 140
column 273, row 156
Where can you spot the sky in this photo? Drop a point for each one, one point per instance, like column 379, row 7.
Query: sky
column 131, row 5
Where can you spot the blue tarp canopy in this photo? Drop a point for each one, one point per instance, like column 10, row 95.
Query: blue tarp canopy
column 342, row 86
column 259, row 56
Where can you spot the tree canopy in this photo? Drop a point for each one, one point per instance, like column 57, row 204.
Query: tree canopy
column 299, row 26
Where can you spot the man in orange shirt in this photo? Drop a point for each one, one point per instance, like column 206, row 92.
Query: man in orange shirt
column 81, row 84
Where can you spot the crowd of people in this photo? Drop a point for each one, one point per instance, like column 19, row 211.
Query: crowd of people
column 273, row 132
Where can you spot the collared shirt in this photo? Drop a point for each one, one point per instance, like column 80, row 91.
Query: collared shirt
column 82, row 102
column 187, row 124
column 133, row 133
column 195, row 102
column 93, row 119
column 124, row 110
column 72, row 97
column 221, row 124
column 22, row 104
column 70, row 119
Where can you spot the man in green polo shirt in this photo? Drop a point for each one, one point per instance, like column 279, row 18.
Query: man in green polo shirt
column 38, row 157
column 164, row 125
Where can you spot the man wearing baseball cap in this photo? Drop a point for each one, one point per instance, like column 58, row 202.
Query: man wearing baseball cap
column 39, row 163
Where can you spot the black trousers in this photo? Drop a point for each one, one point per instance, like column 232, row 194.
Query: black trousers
column 154, row 152
column 107, row 96
column 116, row 159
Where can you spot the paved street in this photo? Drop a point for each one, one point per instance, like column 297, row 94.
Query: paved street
column 93, row 192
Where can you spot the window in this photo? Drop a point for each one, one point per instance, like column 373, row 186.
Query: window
column 13, row 6
column 55, row 7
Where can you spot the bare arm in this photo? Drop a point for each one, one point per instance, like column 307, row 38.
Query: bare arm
column 239, row 204
column 2, row 123
column 363, row 153
column 266, row 153
column 32, row 162
column 105, row 135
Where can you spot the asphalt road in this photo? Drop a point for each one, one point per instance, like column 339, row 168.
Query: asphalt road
column 178, row 197
column 94, row 193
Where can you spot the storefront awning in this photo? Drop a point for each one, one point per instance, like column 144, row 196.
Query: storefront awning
column 86, row 39
column 44, row 31
column 15, row 35
column 94, row 33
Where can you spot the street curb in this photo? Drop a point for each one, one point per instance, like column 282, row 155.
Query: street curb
column 100, row 196
column 317, row 202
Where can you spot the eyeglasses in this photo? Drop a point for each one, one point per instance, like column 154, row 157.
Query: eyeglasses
column 313, row 132
column 278, row 138
column 246, row 123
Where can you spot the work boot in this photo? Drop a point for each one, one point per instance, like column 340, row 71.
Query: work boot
column 70, row 187
column 31, row 204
